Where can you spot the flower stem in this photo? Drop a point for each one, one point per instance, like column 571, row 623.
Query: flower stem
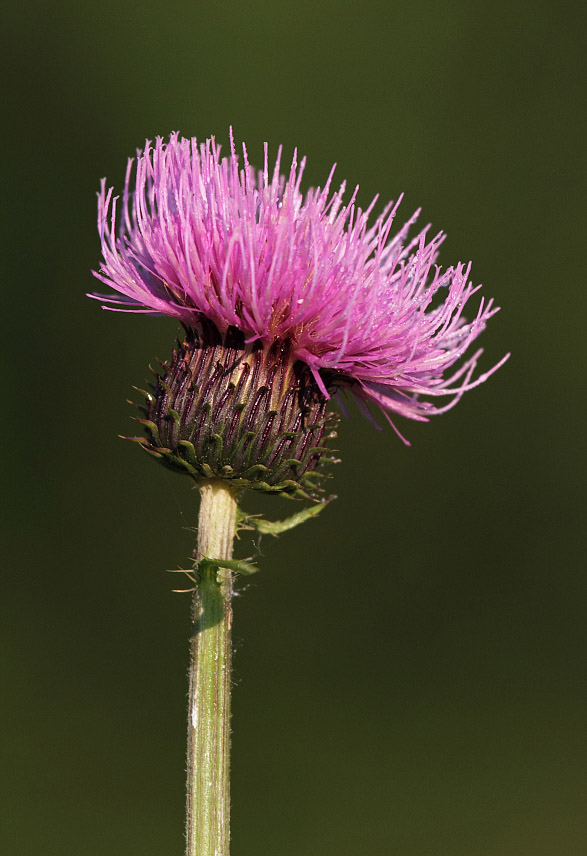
column 208, row 761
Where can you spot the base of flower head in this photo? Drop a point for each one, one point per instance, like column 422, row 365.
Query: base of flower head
column 226, row 409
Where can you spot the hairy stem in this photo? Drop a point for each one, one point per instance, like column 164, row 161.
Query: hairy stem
column 208, row 761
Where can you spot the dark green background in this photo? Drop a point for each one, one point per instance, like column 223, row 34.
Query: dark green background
column 410, row 670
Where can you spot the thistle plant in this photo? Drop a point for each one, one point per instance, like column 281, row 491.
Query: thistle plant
column 288, row 303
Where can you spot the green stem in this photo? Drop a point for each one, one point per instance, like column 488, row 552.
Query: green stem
column 208, row 762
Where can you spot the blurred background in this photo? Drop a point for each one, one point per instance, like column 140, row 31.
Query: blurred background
column 410, row 669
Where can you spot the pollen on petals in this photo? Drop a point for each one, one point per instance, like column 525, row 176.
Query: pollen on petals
column 197, row 236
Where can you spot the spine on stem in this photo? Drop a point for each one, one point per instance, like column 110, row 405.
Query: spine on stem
column 208, row 761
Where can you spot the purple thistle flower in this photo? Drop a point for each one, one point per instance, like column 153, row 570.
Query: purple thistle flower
column 205, row 239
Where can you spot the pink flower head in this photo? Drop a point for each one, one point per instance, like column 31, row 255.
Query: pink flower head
column 204, row 237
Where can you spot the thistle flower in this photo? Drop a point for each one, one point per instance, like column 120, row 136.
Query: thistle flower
column 286, row 301
column 298, row 285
